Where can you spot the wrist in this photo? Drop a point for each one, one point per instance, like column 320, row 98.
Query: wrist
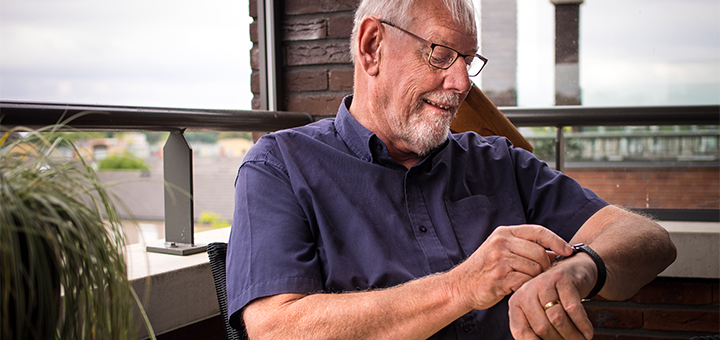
column 599, row 265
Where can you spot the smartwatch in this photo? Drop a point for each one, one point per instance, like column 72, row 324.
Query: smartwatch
column 601, row 270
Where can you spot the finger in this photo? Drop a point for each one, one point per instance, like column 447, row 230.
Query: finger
column 575, row 310
column 544, row 237
column 519, row 326
column 562, row 324
column 547, row 304
column 530, row 252
column 552, row 256
column 516, row 279
column 557, row 314
column 538, row 320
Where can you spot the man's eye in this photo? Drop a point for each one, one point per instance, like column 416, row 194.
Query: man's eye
column 442, row 59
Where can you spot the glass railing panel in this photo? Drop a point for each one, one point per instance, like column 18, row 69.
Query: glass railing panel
column 652, row 168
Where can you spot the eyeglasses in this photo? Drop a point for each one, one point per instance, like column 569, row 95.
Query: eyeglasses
column 443, row 57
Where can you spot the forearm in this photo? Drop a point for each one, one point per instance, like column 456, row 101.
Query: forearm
column 634, row 249
column 415, row 310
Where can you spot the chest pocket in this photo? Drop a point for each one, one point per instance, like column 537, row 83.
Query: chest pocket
column 475, row 217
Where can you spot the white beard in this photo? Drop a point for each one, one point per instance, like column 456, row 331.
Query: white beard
column 424, row 131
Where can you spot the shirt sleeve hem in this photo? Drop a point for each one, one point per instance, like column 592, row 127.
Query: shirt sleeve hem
column 582, row 215
column 300, row 285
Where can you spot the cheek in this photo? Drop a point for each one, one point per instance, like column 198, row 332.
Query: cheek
column 415, row 82
column 408, row 78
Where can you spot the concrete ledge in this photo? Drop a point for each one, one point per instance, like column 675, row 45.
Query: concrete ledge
column 182, row 291
column 698, row 247
column 181, row 288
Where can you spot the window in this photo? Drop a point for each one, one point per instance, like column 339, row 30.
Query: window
column 190, row 54
column 632, row 53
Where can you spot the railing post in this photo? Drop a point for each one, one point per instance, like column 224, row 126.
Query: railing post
column 179, row 205
column 560, row 149
column 267, row 55
column 567, row 36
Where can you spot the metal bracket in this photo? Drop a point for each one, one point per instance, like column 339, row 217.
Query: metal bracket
column 179, row 205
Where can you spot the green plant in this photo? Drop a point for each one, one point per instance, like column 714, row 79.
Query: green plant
column 203, row 137
column 62, row 264
column 126, row 161
column 235, row 134
column 213, row 219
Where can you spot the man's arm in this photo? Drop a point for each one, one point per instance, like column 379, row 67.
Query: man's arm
column 415, row 310
column 634, row 250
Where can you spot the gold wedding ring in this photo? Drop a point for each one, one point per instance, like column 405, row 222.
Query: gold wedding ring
column 550, row 304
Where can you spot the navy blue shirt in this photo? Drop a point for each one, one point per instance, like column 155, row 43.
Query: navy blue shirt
column 323, row 208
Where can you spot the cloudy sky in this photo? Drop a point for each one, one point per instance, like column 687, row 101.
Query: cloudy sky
column 183, row 53
column 632, row 52
column 175, row 53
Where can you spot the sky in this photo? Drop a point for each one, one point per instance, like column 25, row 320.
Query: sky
column 179, row 53
column 195, row 54
column 632, row 52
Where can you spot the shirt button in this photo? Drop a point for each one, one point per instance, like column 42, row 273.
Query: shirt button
column 467, row 328
column 379, row 146
column 422, row 228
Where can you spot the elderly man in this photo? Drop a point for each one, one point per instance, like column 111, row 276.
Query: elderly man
column 379, row 224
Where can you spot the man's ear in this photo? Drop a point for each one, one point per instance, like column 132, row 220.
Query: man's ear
column 369, row 36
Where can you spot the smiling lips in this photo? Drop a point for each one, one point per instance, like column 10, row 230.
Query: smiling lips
column 444, row 107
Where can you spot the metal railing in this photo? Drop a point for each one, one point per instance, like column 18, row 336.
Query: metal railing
column 177, row 154
column 562, row 116
column 177, row 160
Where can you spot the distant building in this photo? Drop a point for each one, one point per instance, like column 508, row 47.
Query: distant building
column 100, row 148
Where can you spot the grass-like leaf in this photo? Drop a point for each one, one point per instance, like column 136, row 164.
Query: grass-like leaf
column 62, row 263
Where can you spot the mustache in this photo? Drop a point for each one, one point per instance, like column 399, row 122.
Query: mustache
column 451, row 99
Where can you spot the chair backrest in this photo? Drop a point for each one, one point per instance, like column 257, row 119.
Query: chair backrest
column 216, row 252
column 478, row 113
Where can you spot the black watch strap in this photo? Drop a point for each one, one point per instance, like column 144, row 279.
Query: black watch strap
column 601, row 270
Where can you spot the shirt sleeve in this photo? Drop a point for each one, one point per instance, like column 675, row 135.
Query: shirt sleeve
column 271, row 250
column 551, row 198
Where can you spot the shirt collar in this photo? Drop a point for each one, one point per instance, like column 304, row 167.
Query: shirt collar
column 356, row 136
column 363, row 142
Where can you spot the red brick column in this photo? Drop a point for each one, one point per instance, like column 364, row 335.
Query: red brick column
column 316, row 67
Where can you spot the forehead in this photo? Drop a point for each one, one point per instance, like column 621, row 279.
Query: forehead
column 434, row 23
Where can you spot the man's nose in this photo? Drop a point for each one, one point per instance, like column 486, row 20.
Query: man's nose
column 456, row 77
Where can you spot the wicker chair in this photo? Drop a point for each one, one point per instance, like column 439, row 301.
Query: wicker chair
column 216, row 252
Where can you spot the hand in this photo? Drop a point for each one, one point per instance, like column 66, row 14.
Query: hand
column 510, row 257
column 550, row 306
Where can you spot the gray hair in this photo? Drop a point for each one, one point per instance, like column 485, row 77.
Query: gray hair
column 398, row 12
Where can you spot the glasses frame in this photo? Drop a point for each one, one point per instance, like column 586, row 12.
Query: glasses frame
column 432, row 49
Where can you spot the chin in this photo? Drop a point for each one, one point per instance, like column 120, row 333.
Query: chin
column 429, row 137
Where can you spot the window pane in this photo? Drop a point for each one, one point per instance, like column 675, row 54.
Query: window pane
column 145, row 53
column 631, row 53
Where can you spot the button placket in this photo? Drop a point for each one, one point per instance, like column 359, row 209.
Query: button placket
column 423, row 228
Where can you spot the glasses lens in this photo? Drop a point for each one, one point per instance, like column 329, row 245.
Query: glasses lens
column 475, row 66
column 442, row 57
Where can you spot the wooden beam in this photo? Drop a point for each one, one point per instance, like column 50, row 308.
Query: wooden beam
column 479, row 114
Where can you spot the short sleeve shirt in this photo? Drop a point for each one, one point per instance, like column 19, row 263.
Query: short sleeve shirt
column 323, row 208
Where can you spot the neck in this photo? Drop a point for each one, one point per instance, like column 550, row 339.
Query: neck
column 406, row 160
column 370, row 117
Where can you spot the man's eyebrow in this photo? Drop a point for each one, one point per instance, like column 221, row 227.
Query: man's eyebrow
column 444, row 42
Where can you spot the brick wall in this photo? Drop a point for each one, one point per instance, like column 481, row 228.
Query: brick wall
column 315, row 64
column 317, row 73
column 654, row 188
column 667, row 308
